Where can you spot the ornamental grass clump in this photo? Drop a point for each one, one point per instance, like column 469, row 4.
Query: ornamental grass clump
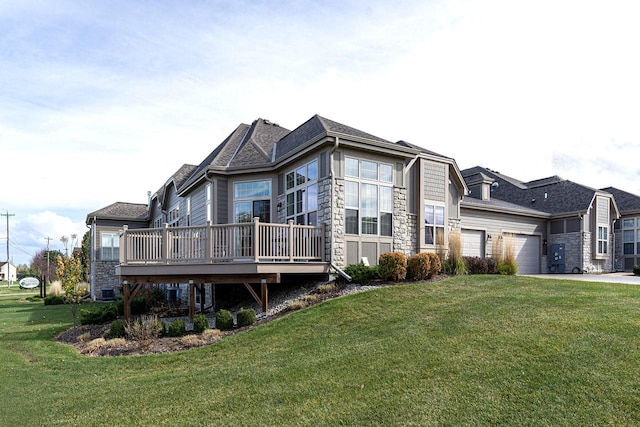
column 144, row 329
column 454, row 263
column 392, row 266
column 508, row 264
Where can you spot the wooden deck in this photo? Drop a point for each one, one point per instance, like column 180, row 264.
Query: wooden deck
column 248, row 253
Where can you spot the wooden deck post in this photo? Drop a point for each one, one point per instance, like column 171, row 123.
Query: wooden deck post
column 291, row 242
column 265, row 296
column 256, row 239
column 127, row 303
column 192, row 300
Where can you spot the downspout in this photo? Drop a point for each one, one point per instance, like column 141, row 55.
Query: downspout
column 581, row 216
column 210, row 180
column 331, row 234
column 613, row 246
column 92, row 259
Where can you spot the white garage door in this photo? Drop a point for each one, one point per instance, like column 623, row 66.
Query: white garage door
column 472, row 243
column 527, row 250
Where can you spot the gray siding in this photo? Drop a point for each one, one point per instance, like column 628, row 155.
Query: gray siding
column 454, row 201
column 435, row 178
column 602, row 210
column 198, row 206
column 222, row 201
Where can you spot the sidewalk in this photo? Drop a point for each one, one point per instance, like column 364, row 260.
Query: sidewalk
column 621, row 277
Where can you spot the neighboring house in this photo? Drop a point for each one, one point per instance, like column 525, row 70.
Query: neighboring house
column 7, row 271
column 559, row 226
column 269, row 204
column 627, row 229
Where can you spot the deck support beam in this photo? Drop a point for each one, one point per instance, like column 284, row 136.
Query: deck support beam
column 129, row 295
column 263, row 299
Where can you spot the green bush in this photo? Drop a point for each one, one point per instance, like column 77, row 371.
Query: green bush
column 246, row 317
column 361, row 273
column 636, row 270
column 53, row 300
column 224, row 320
column 435, row 264
column 117, row 329
column 418, row 266
column 200, row 323
column 138, row 305
column 508, row 268
column 392, row 266
column 176, row 328
column 99, row 315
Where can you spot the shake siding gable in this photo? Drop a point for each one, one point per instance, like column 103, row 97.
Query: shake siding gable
column 434, row 179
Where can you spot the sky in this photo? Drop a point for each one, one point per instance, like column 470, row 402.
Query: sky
column 103, row 101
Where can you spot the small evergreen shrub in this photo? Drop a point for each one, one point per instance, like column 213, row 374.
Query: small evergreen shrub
column 392, row 266
column 435, row 264
column 200, row 323
column 99, row 315
column 476, row 265
column 224, row 320
column 636, row 270
column 418, row 266
column 117, row 329
column 246, row 317
column 361, row 274
column 176, row 328
column 53, row 300
column 138, row 305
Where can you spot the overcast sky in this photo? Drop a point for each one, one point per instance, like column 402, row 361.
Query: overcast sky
column 103, row 101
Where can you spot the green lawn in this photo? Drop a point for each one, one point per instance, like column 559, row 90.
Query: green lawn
column 473, row 350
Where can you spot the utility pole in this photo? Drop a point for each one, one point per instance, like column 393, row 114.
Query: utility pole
column 7, row 214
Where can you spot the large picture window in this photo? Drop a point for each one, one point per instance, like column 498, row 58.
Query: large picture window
column 110, row 246
column 368, row 197
column 302, row 194
column 434, row 224
column 631, row 236
column 252, row 199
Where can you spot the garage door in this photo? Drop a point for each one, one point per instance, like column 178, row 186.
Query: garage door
column 472, row 243
column 527, row 250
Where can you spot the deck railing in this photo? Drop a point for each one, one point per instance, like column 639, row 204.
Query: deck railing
column 255, row 242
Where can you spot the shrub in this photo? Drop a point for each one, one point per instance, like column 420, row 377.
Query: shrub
column 246, row 317
column 392, row 266
column 636, row 270
column 476, row 265
column 418, row 266
column 435, row 264
column 176, row 328
column 224, row 320
column 98, row 316
column 361, row 273
column 155, row 297
column 507, row 267
column 53, row 300
column 492, row 266
column 455, row 266
column 200, row 323
column 138, row 305
column 117, row 329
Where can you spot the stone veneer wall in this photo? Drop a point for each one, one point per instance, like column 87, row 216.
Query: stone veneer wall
column 336, row 225
column 106, row 278
column 401, row 235
column 325, row 203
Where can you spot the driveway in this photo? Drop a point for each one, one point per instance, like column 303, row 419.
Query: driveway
column 623, row 277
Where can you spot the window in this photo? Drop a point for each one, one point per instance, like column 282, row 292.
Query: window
column 631, row 236
column 302, row 194
column 368, row 201
column 434, row 224
column 252, row 199
column 110, row 246
column 173, row 218
column 603, row 239
column 188, row 217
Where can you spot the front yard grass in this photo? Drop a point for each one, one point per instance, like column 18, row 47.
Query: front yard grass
column 471, row 350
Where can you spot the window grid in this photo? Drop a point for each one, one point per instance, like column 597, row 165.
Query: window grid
column 302, row 194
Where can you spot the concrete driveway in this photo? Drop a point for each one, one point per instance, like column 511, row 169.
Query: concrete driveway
column 627, row 278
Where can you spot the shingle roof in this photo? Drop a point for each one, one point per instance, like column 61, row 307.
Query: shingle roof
column 627, row 202
column 121, row 210
column 552, row 195
column 496, row 204
column 178, row 178
column 315, row 127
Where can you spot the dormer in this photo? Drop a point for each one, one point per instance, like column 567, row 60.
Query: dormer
column 480, row 186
